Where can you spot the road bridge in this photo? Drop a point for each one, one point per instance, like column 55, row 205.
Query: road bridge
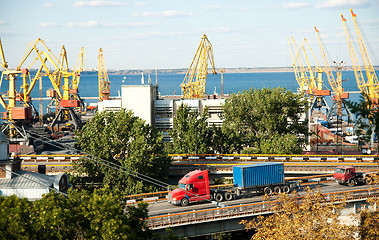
column 222, row 163
column 202, row 219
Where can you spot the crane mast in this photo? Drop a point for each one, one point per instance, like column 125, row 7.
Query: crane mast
column 194, row 82
column 335, row 84
column 104, row 90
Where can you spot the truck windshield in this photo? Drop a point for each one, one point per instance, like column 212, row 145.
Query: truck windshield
column 339, row 170
column 182, row 186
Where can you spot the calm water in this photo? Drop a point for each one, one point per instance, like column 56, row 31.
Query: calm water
column 169, row 84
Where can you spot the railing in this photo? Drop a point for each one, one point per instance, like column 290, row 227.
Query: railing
column 274, row 157
column 242, row 210
column 227, row 157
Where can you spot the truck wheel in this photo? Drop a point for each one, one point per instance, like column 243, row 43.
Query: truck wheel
column 228, row 196
column 286, row 189
column 351, row 182
column 268, row 191
column 277, row 190
column 184, row 202
column 219, row 197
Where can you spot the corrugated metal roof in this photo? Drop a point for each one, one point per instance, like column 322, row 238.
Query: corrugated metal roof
column 25, row 179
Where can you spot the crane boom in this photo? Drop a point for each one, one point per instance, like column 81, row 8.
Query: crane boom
column 372, row 79
column 104, row 89
column 327, row 69
column 300, row 73
column 194, row 82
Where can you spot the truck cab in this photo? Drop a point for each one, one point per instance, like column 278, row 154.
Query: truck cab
column 347, row 175
column 193, row 187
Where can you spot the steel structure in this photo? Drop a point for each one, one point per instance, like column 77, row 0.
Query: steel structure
column 104, row 83
column 19, row 108
column 369, row 88
column 336, row 84
column 194, row 82
column 310, row 84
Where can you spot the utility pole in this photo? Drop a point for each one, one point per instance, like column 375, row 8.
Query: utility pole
column 222, row 70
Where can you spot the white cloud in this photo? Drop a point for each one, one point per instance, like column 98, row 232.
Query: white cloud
column 48, row 5
column 212, row 7
column 49, row 24
column 94, row 23
column 168, row 13
column 3, row 23
column 140, row 4
column 90, row 23
column 98, row 3
column 342, row 3
column 295, row 5
column 162, row 34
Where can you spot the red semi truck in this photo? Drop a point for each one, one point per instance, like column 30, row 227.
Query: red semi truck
column 347, row 175
column 267, row 178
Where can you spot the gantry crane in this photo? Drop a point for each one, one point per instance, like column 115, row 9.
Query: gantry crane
column 194, row 82
column 67, row 98
column 336, row 84
column 19, row 109
column 369, row 88
column 104, row 89
column 310, row 84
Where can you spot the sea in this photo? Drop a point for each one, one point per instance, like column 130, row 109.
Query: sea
column 169, row 84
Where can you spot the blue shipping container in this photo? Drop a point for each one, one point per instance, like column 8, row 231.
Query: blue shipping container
column 259, row 174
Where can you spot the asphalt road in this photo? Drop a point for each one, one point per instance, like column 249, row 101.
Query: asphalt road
column 163, row 207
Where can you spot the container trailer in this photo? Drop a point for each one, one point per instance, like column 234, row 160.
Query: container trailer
column 262, row 178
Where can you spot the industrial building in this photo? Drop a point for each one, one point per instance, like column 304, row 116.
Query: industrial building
column 145, row 102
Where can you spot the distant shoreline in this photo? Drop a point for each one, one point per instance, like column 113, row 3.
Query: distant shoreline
column 226, row 70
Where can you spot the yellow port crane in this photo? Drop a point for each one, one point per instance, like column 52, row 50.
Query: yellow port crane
column 19, row 110
column 310, row 84
column 335, row 83
column 194, row 82
column 369, row 88
column 68, row 97
column 104, row 83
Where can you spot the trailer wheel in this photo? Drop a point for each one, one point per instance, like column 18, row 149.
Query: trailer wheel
column 351, row 182
column 277, row 190
column 286, row 189
column 184, row 202
column 228, row 196
column 219, row 197
column 267, row 191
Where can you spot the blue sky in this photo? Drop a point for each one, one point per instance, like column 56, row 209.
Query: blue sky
column 165, row 34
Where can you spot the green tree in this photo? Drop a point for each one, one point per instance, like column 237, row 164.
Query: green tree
column 190, row 134
column 126, row 140
column 253, row 117
column 14, row 218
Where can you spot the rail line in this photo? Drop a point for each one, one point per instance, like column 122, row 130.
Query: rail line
column 214, row 214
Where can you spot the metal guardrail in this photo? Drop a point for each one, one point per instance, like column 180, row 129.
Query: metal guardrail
column 169, row 220
column 224, row 157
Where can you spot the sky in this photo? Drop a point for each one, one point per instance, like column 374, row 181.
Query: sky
column 165, row 34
